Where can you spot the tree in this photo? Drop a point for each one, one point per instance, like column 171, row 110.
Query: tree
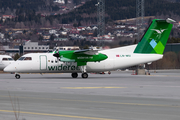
column 66, row 1
column 75, row 25
column 40, row 37
column 79, row 23
column 52, row 37
column 16, row 56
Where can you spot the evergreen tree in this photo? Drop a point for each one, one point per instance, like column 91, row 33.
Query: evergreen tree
column 16, row 56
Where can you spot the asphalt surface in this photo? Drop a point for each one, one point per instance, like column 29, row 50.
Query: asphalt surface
column 119, row 96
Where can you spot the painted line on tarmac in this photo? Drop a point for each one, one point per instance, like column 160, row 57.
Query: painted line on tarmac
column 164, row 75
column 56, row 115
column 86, row 101
column 90, row 87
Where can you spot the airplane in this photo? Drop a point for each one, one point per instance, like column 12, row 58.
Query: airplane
column 5, row 60
column 149, row 49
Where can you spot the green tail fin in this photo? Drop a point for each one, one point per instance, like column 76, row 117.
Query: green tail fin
column 155, row 39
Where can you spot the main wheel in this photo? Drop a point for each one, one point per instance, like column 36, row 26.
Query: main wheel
column 74, row 75
column 84, row 75
column 17, row 76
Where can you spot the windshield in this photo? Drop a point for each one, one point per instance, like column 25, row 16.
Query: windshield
column 10, row 59
column 7, row 59
column 21, row 58
column 25, row 58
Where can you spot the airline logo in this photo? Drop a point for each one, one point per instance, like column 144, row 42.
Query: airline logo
column 159, row 31
column 63, row 68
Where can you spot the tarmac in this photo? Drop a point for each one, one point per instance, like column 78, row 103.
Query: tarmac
column 119, row 96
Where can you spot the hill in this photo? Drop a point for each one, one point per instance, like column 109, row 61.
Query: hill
column 30, row 11
column 121, row 9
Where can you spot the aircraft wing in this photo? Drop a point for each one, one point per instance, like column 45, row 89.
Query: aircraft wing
column 86, row 52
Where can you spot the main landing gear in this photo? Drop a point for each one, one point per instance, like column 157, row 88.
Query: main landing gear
column 17, row 76
column 74, row 75
column 83, row 75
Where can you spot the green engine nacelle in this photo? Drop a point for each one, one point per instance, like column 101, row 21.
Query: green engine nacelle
column 80, row 58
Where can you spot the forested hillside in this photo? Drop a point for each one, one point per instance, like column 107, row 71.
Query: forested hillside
column 26, row 5
column 26, row 11
column 121, row 9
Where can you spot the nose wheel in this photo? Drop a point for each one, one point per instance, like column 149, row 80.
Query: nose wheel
column 17, row 76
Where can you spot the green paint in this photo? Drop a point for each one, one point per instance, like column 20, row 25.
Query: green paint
column 155, row 39
column 81, row 59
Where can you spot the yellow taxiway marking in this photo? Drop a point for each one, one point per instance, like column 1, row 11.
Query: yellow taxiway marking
column 90, row 87
column 56, row 115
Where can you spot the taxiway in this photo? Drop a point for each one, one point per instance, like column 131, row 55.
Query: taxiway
column 119, row 96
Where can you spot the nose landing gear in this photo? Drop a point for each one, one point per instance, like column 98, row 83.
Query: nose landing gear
column 17, row 76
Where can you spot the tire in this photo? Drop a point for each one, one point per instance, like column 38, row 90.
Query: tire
column 84, row 75
column 17, row 76
column 74, row 75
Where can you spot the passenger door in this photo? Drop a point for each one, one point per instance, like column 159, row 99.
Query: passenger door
column 43, row 62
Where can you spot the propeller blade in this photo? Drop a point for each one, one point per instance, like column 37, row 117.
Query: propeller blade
column 56, row 55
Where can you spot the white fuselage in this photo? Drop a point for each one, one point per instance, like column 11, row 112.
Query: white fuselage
column 118, row 58
column 5, row 60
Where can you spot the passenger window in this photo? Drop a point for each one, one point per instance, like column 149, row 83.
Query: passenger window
column 28, row 58
column 5, row 59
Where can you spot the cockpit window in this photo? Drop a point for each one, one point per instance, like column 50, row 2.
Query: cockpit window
column 28, row 58
column 25, row 58
column 10, row 59
column 5, row 59
column 21, row 58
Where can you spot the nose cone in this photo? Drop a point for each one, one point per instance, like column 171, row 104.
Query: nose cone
column 9, row 68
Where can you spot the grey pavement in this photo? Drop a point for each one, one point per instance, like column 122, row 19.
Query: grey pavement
column 119, row 96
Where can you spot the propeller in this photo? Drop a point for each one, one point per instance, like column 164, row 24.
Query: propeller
column 56, row 53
